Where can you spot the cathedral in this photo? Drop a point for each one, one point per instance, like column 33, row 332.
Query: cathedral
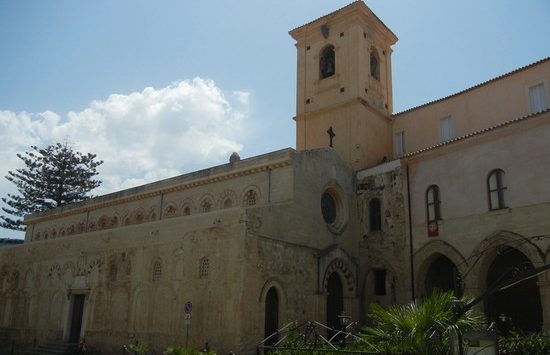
column 371, row 207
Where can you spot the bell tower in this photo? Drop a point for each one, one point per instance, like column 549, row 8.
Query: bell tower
column 344, row 86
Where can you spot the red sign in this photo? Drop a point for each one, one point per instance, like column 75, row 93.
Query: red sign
column 433, row 229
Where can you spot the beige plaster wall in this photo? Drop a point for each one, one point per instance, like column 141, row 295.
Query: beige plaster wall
column 485, row 106
column 470, row 234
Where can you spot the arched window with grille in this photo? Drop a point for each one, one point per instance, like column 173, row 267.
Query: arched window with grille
column 496, row 186
column 204, row 267
column 375, row 215
column 186, row 211
column 433, row 203
column 327, row 62
column 206, row 205
column 157, row 270
column 113, row 273
column 250, row 198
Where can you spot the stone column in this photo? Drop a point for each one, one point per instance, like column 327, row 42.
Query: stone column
column 544, row 288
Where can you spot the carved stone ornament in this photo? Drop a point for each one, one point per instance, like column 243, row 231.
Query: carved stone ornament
column 325, row 29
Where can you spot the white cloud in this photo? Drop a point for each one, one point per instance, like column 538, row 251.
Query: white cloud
column 142, row 137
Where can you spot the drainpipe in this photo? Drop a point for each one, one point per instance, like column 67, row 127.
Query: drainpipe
column 410, row 231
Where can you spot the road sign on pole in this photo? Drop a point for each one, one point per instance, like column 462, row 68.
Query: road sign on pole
column 188, row 307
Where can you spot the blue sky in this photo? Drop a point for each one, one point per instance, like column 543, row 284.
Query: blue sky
column 158, row 88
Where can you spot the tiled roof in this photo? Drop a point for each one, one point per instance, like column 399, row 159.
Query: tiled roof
column 476, row 133
column 475, row 87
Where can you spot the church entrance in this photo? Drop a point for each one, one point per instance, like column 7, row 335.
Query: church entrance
column 335, row 302
column 443, row 275
column 518, row 306
column 76, row 318
column 271, row 324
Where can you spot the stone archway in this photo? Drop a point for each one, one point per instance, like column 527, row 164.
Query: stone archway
column 442, row 274
column 271, row 322
column 518, row 306
column 335, row 302
column 426, row 256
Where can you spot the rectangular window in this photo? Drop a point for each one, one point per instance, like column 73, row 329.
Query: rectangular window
column 446, row 125
column 379, row 282
column 537, row 98
column 400, row 143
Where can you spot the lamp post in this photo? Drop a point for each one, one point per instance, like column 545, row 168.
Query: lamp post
column 458, row 305
column 344, row 321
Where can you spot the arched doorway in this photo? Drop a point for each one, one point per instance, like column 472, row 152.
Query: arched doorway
column 335, row 302
column 271, row 324
column 518, row 306
column 443, row 275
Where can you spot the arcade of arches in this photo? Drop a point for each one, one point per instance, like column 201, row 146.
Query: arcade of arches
column 515, row 307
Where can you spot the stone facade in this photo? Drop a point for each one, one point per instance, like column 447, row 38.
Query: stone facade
column 342, row 222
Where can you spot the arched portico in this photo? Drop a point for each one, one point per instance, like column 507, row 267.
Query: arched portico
column 430, row 258
column 518, row 306
column 496, row 259
column 443, row 275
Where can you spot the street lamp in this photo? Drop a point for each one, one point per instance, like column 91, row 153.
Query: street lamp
column 345, row 320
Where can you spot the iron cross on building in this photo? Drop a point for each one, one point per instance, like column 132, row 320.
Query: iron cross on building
column 331, row 135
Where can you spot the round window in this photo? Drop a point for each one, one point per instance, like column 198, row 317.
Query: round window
column 334, row 209
column 328, row 207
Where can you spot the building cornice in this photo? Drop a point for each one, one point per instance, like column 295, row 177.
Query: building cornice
column 356, row 7
column 352, row 101
column 94, row 204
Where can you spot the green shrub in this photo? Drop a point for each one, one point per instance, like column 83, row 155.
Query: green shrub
column 139, row 349
column 422, row 327
column 519, row 344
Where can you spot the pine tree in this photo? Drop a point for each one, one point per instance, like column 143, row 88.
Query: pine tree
column 52, row 177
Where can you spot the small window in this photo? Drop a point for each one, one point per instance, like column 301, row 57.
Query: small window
column 206, row 205
column 227, row 203
column 375, row 217
column 113, row 273
column 400, row 143
column 170, row 211
column 446, row 125
column 203, row 268
column 537, row 98
column 250, row 198
column 379, row 282
column 186, row 211
column 374, row 65
column 496, row 184
column 433, row 203
column 327, row 63
column 157, row 270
